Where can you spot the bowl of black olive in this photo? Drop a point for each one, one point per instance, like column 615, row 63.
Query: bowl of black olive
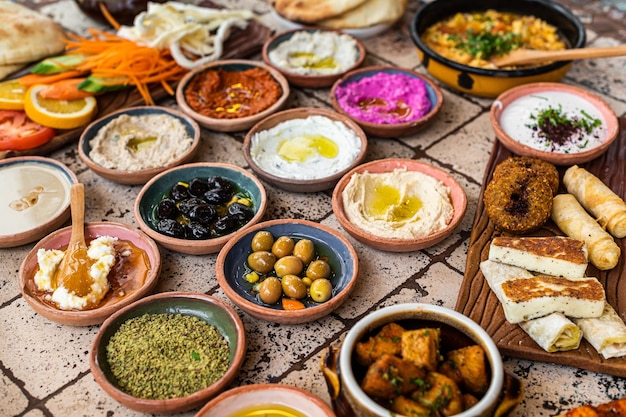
column 196, row 208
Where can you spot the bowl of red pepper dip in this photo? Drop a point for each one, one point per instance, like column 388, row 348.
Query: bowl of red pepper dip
column 232, row 95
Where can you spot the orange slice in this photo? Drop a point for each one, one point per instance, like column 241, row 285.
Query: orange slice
column 59, row 114
column 12, row 95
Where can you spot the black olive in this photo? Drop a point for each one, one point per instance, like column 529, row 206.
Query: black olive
column 171, row 228
column 179, row 192
column 220, row 183
column 217, row 197
column 185, row 206
column 198, row 231
column 203, row 213
column 166, row 209
column 240, row 212
column 225, row 225
column 197, row 187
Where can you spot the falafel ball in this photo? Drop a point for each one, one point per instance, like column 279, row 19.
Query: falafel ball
column 538, row 166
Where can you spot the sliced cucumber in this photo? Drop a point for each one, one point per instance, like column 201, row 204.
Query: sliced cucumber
column 95, row 84
column 58, row 64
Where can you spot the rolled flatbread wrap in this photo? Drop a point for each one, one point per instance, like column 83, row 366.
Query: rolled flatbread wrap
column 607, row 333
column 553, row 332
column 574, row 221
column 598, row 199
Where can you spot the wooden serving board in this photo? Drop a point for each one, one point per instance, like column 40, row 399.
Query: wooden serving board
column 240, row 44
column 477, row 301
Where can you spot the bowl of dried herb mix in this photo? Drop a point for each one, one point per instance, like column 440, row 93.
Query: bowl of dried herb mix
column 168, row 353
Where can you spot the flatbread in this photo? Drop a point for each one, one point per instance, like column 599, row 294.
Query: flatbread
column 311, row 11
column 26, row 35
column 370, row 13
column 8, row 69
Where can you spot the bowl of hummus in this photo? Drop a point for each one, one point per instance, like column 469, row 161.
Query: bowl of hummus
column 399, row 205
column 130, row 146
column 313, row 57
column 232, row 95
column 304, row 149
column 387, row 101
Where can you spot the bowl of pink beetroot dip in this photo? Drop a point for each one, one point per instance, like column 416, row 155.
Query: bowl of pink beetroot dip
column 387, row 101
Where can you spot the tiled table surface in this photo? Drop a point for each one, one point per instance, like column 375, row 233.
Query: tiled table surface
column 44, row 366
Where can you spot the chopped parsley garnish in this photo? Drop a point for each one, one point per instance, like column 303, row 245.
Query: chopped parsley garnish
column 484, row 45
column 553, row 125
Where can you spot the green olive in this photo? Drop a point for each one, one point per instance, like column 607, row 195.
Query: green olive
column 288, row 265
column 262, row 240
column 293, row 287
column 318, row 269
column 261, row 261
column 283, row 246
column 270, row 290
column 321, row 290
column 304, row 250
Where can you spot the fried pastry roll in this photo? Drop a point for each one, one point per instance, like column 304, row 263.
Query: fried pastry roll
column 574, row 221
column 607, row 333
column 607, row 207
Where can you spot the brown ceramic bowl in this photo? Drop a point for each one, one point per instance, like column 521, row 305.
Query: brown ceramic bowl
column 154, row 191
column 310, row 80
column 205, row 307
column 303, row 176
column 249, row 397
column 536, row 89
column 457, row 196
column 134, row 290
column 232, row 266
column 235, row 124
column 141, row 176
column 21, row 177
column 385, row 130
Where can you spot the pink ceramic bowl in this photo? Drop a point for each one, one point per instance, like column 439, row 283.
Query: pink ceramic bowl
column 457, row 195
column 557, row 158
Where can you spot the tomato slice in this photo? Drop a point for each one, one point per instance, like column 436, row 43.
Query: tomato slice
column 19, row 133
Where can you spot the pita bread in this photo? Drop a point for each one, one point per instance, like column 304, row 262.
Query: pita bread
column 370, row 13
column 311, row 11
column 6, row 70
column 26, row 35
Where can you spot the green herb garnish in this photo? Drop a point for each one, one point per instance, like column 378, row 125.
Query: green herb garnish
column 484, row 45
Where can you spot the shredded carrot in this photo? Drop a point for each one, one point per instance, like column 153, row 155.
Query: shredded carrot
column 32, row 79
column 290, row 304
column 108, row 16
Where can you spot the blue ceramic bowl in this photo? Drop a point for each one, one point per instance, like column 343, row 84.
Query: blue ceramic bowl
column 140, row 176
column 154, row 191
column 231, row 268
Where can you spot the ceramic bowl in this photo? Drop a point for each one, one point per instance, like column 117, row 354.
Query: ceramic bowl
column 159, row 186
column 384, row 130
column 488, row 82
column 234, row 124
column 537, row 89
column 303, row 80
column 28, row 214
column 457, row 196
column 141, row 176
column 207, row 308
column 354, row 154
column 457, row 331
column 231, row 268
column 133, row 289
column 247, row 397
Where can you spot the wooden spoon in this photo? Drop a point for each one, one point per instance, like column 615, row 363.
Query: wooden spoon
column 527, row 56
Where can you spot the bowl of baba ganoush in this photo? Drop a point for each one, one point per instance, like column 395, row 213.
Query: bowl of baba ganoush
column 559, row 123
column 399, row 205
column 132, row 145
column 313, row 57
column 304, row 149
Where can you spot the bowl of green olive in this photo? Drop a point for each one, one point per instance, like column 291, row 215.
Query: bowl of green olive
column 287, row 271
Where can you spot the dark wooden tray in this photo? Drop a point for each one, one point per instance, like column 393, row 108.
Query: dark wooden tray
column 240, row 44
column 477, row 301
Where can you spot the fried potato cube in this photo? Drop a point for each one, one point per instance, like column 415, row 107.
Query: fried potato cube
column 467, row 367
column 391, row 376
column 440, row 394
column 387, row 340
column 408, row 407
column 421, row 347
column 469, row 401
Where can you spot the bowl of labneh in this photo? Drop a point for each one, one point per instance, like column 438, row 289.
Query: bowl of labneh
column 132, row 145
column 196, row 208
column 169, row 352
column 35, row 198
column 232, row 95
column 387, row 101
column 559, row 123
column 457, row 40
column 126, row 264
column 313, row 57
column 288, row 270
column 304, row 149
column 399, row 205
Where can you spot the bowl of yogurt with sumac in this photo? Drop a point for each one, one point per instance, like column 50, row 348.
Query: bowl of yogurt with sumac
column 387, row 101
column 559, row 123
